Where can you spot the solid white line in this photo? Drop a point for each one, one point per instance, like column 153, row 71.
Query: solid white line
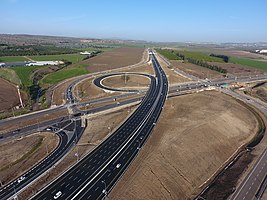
column 151, row 110
column 250, row 175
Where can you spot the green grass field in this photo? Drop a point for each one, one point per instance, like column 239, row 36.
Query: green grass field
column 13, row 59
column 10, row 75
column 94, row 49
column 74, row 58
column 249, row 62
column 63, row 74
column 167, row 54
column 25, row 74
column 189, row 54
column 200, row 56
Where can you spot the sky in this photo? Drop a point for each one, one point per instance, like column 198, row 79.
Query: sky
column 150, row 20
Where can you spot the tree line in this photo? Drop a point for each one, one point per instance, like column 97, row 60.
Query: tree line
column 33, row 50
column 225, row 58
column 201, row 63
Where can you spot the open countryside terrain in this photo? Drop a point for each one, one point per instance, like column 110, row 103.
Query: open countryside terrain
column 8, row 96
column 118, row 57
column 201, row 130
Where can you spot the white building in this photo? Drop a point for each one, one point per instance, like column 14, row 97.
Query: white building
column 263, row 51
column 85, row 53
column 41, row 63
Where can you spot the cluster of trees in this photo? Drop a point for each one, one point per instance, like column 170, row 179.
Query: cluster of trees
column 205, row 64
column 225, row 58
column 201, row 63
column 32, row 50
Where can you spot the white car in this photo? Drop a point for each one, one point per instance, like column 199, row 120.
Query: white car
column 21, row 179
column 58, row 194
column 118, row 165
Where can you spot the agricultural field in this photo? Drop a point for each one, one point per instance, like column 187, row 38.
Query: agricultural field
column 63, row 74
column 74, row 58
column 25, row 74
column 167, row 54
column 249, row 62
column 170, row 54
column 116, row 58
column 13, row 59
column 10, row 75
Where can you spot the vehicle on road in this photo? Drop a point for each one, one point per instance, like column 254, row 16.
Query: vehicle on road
column 57, row 195
column 118, row 165
column 21, row 179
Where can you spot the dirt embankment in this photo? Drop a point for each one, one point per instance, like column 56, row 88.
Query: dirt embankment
column 118, row 57
column 18, row 156
column 258, row 91
column 86, row 90
column 8, row 96
column 196, row 134
column 196, row 70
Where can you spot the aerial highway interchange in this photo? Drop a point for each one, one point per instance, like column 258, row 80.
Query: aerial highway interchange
column 93, row 176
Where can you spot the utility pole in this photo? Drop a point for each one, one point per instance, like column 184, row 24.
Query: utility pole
column 21, row 103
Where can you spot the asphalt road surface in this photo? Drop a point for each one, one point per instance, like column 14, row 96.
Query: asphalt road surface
column 96, row 173
column 69, row 132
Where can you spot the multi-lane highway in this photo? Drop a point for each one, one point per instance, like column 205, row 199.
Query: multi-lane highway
column 96, row 173
column 107, row 163
column 69, row 132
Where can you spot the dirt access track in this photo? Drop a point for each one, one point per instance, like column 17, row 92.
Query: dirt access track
column 195, row 136
column 8, row 95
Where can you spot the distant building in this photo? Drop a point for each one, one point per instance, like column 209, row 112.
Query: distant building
column 41, row 63
column 86, row 53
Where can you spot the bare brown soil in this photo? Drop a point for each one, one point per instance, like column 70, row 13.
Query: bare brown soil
column 8, row 95
column 102, row 125
column 18, row 156
column 127, row 81
column 118, row 57
column 145, row 68
column 86, row 90
column 59, row 93
column 195, row 136
column 196, row 70
column 259, row 92
column 238, row 69
column 92, row 136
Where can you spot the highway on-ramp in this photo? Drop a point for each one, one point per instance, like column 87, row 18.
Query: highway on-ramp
column 69, row 132
column 94, row 176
